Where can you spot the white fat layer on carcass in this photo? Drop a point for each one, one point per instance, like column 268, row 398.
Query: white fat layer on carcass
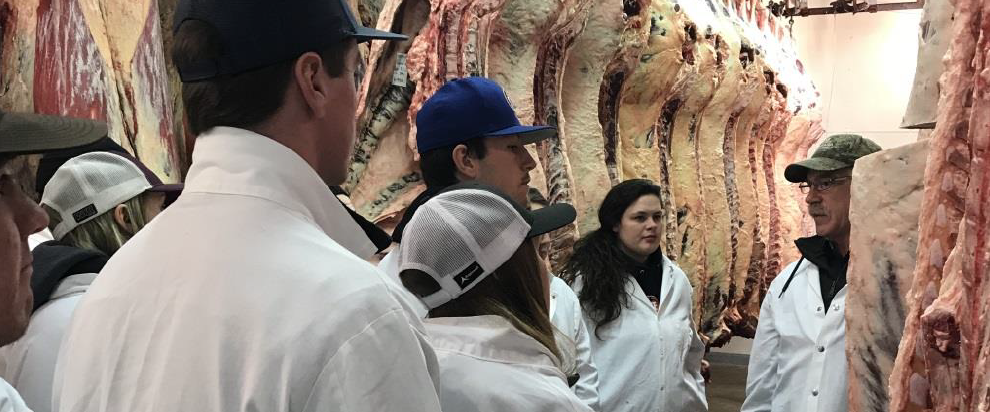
column 884, row 209
column 700, row 12
column 582, row 80
column 933, row 43
column 713, row 179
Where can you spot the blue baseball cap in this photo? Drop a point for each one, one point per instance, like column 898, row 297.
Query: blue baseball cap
column 469, row 108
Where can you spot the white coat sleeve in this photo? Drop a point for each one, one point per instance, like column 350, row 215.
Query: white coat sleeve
column 388, row 367
column 696, row 352
column 10, row 401
column 761, row 381
column 586, row 387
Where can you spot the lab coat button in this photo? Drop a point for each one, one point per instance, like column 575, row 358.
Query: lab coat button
column 819, row 309
column 836, row 307
column 814, row 392
column 821, row 349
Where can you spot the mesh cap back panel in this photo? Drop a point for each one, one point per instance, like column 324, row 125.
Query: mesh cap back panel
column 437, row 245
column 476, row 214
column 97, row 180
column 453, row 234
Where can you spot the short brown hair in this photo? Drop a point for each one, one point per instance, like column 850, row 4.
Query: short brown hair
column 240, row 100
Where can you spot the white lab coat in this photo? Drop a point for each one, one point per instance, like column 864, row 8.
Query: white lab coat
column 570, row 322
column 36, row 239
column 29, row 363
column 244, row 295
column 10, row 401
column 798, row 362
column 650, row 361
column 487, row 365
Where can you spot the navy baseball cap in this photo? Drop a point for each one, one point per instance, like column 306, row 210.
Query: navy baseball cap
column 259, row 33
column 469, row 108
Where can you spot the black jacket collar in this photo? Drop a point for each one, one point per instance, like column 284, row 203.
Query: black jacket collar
column 54, row 261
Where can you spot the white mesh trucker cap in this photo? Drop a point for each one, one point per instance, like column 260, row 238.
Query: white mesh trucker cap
column 92, row 184
column 461, row 235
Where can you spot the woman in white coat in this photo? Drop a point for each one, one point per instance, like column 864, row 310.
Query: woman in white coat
column 637, row 304
column 95, row 203
column 469, row 253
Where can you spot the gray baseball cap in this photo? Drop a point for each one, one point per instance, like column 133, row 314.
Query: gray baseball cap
column 27, row 133
column 837, row 152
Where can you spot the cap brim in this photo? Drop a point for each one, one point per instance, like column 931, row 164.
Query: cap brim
column 528, row 134
column 365, row 34
column 798, row 172
column 171, row 192
column 551, row 218
column 170, row 188
column 27, row 133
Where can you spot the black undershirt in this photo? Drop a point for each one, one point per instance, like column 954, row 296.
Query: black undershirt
column 649, row 275
column 831, row 264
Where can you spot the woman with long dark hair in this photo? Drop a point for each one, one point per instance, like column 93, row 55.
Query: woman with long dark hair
column 637, row 304
column 470, row 254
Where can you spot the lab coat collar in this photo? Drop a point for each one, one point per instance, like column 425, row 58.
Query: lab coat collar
column 233, row 161
column 73, row 285
column 490, row 337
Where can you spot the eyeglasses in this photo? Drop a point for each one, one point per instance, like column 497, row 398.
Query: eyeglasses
column 824, row 185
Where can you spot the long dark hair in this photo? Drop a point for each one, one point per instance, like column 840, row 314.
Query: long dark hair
column 599, row 259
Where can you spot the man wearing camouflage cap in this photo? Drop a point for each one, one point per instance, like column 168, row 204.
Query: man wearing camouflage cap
column 798, row 361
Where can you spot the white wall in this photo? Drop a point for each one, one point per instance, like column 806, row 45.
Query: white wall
column 863, row 65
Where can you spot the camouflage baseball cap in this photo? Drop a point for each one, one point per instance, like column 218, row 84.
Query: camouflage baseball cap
column 837, row 152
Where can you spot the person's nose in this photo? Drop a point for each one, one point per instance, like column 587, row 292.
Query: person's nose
column 32, row 218
column 527, row 161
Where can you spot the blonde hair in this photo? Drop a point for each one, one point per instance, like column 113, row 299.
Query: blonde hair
column 514, row 291
column 103, row 233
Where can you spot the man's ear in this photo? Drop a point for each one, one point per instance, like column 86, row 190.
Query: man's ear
column 466, row 164
column 313, row 83
column 123, row 219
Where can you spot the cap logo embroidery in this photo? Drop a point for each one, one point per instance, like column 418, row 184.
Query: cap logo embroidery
column 468, row 275
column 84, row 213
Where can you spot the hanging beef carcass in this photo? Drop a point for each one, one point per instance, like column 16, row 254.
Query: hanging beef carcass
column 946, row 177
column 658, row 76
column 582, row 130
column 979, row 127
column 745, row 280
column 934, row 35
column 684, row 174
column 775, row 242
column 105, row 62
column 551, row 58
column 712, row 156
column 951, row 324
column 527, row 50
column 620, row 67
column 883, row 214
column 647, row 88
column 383, row 170
column 754, row 287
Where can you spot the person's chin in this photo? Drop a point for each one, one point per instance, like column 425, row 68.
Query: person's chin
column 649, row 248
column 823, row 230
